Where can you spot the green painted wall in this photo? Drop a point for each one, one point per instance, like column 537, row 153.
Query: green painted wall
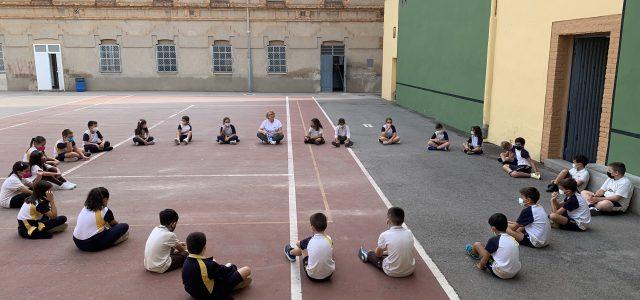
column 625, row 133
column 442, row 47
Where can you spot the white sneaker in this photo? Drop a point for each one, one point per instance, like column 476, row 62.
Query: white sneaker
column 233, row 142
column 67, row 186
column 272, row 142
column 185, row 141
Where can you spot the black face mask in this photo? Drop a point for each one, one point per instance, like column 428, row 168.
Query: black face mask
column 609, row 174
column 518, row 147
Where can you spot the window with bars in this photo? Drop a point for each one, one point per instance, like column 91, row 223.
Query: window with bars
column 222, row 60
column 166, row 57
column 276, row 58
column 1, row 59
column 110, row 58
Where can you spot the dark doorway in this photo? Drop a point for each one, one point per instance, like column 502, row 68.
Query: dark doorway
column 53, row 62
column 332, row 67
column 586, row 87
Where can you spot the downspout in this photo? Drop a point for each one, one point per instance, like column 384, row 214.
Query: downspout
column 249, row 55
column 488, row 83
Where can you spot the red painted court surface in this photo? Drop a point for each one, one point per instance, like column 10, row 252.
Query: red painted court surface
column 250, row 199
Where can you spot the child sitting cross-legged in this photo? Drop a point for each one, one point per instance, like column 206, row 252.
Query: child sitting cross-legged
column 204, row 278
column 318, row 264
column 572, row 214
column 439, row 139
column 38, row 217
column 67, row 150
column 578, row 172
column 521, row 165
column 474, row 143
column 93, row 140
column 163, row 252
column 141, row 134
column 314, row 134
column 532, row 227
column 227, row 133
column 394, row 252
column 501, row 254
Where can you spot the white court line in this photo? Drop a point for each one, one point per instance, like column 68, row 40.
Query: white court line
column 96, row 156
column 62, row 113
column 49, row 107
column 423, row 254
column 101, row 103
column 177, row 176
column 296, row 285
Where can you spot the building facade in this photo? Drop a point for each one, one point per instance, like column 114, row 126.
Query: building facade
column 193, row 45
column 558, row 73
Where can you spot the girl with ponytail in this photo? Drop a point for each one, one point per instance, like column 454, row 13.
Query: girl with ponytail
column 38, row 143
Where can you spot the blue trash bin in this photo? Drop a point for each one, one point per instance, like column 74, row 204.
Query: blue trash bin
column 81, row 85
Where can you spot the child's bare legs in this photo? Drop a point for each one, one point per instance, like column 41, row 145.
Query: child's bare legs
column 562, row 175
column 465, row 147
column 479, row 249
column 504, row 157
column 443, row 145
column 515, row 174
column 517, row 234
column 245, row 272
column 72, row 156
column 432, row 143
column 383, row 138
column 394, row 140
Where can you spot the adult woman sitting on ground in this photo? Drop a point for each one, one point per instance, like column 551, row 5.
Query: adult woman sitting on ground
column 270, row 131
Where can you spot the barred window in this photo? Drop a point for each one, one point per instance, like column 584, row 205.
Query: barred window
column 166, row 57
column 276, row 57
column 1, row 59
column 222, row 60
column 109, row 58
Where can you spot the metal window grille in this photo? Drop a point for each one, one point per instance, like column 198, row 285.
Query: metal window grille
column 277, row 59
column 222, row 59
column 336, row 50
column 110, row 58
column 166, row 58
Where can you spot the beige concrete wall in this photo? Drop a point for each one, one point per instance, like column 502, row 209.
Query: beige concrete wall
column 390, row 49
column 521, row 62
column 194, row 29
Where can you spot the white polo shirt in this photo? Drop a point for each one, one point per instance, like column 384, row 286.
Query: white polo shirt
column 90, row 223
column 157, row 251
column 506, row 255
column 271, row 127
column 9, row 189
column 621, row 187
column 399, row 244
column 536, row 223
column 320, row 250
column 343, row 130
column 582, row 175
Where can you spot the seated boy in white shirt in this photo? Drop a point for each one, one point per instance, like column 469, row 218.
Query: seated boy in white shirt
column 394, row 252
column 318, row 264
column 578, row 172
column 501, row 254
column 163, row 251
column 572, row 214
column 615, row 194
column 532, row 227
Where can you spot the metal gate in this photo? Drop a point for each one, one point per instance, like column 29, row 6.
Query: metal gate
column 330, row 55
column 586, row 88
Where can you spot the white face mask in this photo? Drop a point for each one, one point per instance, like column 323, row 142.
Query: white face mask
column 521, row 202
column 227, row 124
column 573, row 166
column 472, row 133
column 95, row 129
column 561, row 192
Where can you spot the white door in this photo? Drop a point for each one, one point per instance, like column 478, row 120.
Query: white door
column 43, row 71
column 43, row 65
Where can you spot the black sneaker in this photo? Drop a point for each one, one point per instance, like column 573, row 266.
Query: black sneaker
column 594, row 211
column 87, row 154
column 287, row 253
column 337, row 145
column 362, row 254
column 552, row 188
column 108, row 148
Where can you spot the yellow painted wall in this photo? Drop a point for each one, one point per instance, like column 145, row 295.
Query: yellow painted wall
column 523, row 35
column 390, row 48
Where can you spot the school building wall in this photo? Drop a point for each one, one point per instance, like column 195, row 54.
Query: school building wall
column 390, row 49
column 523, row 39
column 442, row 54
column 79, row 26
column 625, row 128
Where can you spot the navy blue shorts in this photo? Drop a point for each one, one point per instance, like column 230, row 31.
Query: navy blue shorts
column 523, row 169
column 526, row 241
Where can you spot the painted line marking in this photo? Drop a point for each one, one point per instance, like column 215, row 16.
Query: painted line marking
column 367, row 125
column 296, row 285
column 448, row 289
column 176, row 176
column 102, row 103
column 96, row 156
column 191, row 224
column 50, row 107
column 58, row 114
column 315, row 166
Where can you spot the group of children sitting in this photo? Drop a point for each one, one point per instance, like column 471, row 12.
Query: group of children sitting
column 571, row 209
column 31, row 182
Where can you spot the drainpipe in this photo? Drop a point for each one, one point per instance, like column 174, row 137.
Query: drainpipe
column 488, row 83
column 249, row 55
